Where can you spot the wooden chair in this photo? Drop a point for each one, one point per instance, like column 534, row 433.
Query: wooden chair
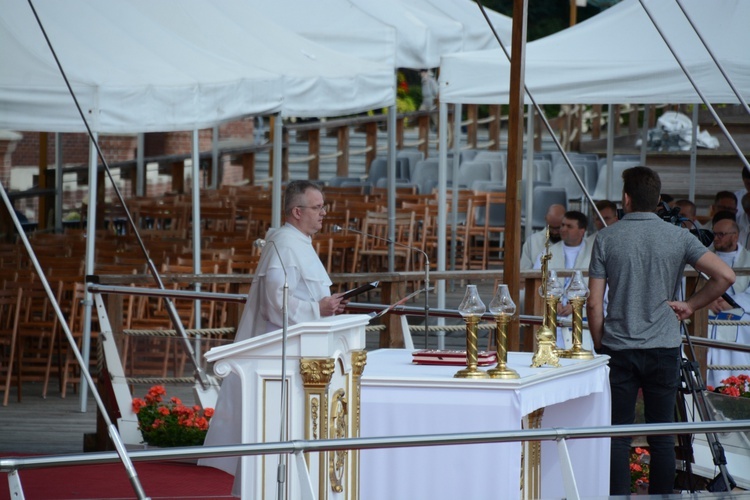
column 145, row 355
column 374, row 250
column 36, row 336
column 343, row 256
column 338, row 218
column 218, row 218
column 9, row 308
column 71, row 371
column 486, row 230
column 259, row 221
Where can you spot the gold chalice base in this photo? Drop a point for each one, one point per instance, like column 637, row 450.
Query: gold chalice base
column 503, row 373
column 471, row 373
column 576, row 354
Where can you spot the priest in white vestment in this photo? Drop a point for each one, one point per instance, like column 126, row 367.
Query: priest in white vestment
column 572, row 252
column 309, row 299
column 726, row 233
column 535, row 244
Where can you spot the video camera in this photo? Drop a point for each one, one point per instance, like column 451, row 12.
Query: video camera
column 672, row 215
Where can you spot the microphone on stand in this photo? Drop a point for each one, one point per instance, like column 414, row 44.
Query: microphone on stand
column 337, row 229
column 281, row 473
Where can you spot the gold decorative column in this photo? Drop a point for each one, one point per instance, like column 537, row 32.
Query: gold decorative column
column 531, row 466
column 359, row 360
column 471, row 309
column 316, row 376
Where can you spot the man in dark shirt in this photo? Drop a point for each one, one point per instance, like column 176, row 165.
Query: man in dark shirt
column 642, row 259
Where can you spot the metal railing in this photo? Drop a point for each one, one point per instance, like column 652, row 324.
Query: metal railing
column 12, row 465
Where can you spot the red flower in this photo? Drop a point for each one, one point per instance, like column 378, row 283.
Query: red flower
column 731, row 391
column 138, row 403
column 167, row 422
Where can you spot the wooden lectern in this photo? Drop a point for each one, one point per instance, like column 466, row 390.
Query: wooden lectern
column 325, row 360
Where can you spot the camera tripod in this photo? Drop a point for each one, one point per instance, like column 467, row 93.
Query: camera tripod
column 692, row 383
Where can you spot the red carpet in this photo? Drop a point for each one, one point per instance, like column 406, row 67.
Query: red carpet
column 160, row 480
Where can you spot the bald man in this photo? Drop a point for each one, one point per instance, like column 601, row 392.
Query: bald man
column 535, row 244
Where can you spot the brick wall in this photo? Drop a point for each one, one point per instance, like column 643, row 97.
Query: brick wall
column 23, row 155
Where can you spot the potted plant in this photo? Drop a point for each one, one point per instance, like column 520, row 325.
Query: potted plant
column 731, row 400
column 167, row 422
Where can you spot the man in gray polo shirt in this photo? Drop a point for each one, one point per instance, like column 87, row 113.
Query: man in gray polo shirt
column 642, row 258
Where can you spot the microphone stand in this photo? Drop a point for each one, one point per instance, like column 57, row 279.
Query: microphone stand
column 337, row 229
column 281, row 472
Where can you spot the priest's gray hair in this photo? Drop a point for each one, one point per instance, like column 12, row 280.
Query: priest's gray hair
column 294, row 192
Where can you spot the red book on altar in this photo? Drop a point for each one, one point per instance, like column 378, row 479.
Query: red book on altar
column 451, row 358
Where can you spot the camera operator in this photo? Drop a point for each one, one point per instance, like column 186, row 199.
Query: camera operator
column 642, row 259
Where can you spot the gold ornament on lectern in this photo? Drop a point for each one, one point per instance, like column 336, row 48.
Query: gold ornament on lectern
column 577, row 294
column 472, row 308
column 545, row 353
column 503, row 307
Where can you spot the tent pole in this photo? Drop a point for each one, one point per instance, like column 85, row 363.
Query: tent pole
column 277, row 130
column 457, row 112
column 215, row 157
column 442, row 208
column 391, row 183
column 140, row 165
column 610, row 148
column 58, row 183
column 89, row 264
column 693, row 154
column 196, row 233
column 644, row 133
column 529, row 173
column 512, row 247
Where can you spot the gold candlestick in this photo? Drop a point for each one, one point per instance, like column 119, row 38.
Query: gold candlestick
column 545, row 353
column 577, row 293
column 503, row 307
column 471, row 309
column 471, row 370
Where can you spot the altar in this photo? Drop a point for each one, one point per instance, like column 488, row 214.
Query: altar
column 399, row 398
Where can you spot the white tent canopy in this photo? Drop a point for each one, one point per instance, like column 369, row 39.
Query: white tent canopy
column 617, row 57
column 422, row 39
column 401, row 33
column 145, row 67
column 318, row 81
column 124, row 80
column 476, row 34
column 336, row 24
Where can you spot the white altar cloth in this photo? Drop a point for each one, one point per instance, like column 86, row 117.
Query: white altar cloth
column 400, row 398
